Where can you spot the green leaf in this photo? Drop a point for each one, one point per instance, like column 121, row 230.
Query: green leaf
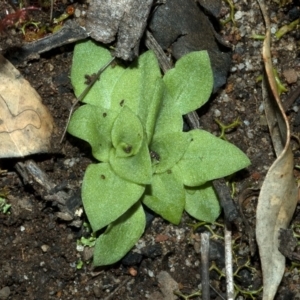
column 93, row 124
column 120, row 236
column 169, row 118
column 202, row 203
column 190, row 83
column 106, row 196
column 137, row 85
column 141, row 88
column 166, row 196
column 208, row 158
column 89, row 57
column 135, row 168
column 127, row 133
column 169, row 148
column 154, row 105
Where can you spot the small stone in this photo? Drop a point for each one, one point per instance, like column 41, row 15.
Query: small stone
column 50, row 67
column 167, row 285
column 132, row 271
column 238, row 15
column 290, row 76
column 152, row 251
column 161, row 238
column 79, row 248
column 45, row 248
column 77, row 13
column 217, row 113
column 4, row 293
column 132, row 259
column 87, row 253
column 250, row 134
column 97, row 291
column 66, row 216
column 70, row 236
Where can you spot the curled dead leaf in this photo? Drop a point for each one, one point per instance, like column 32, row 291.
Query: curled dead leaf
column 278, row 196
column 25, row 123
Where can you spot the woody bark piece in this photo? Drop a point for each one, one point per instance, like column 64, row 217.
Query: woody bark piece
column 125, row 19
column 71, row 32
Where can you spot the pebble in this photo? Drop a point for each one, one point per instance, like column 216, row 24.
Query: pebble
column 217, row 113
column 97, row 291
column 261, row 108
column 77, row 13
column 132, row 259
column 45, row 248
column 250, row 134
column 70, row 162
column 132, row 271
column 4, row 293
column 290, row 76
column 152, row 251
column 87, row 253
column 238, row 15
column 79, row 248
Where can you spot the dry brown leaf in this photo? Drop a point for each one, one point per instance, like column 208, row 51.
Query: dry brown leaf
column 25, row 123
column 278, row 196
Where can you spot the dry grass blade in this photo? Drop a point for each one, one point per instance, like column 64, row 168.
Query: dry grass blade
column 278, row 196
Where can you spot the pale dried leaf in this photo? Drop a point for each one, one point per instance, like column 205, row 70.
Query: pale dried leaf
column 25, row 123
column 278, row 197
column 276, row 205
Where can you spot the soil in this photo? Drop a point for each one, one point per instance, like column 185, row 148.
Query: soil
column 40, row 258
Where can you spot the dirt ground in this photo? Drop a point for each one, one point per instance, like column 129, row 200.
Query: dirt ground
column 39, row 254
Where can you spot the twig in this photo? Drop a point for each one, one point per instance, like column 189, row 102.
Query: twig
column 51, row 10
column 217, row 292
column 205, row 266
column 152, row 44
column 226, row 201
column 84, row 93
column 291, row 98
column 117, row 289
column 228, row 262
column 247, row 228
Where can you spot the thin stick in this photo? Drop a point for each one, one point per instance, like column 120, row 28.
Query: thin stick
column 117, row 289
column 228, row 262
column 205, row 266
column 51, row 10
column 217, row 292
column 226, row 201
column 84, row 93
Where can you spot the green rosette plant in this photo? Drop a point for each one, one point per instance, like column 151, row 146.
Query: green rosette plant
column 132, row 118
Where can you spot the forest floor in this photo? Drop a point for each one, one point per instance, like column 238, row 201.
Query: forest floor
column 39, row 252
